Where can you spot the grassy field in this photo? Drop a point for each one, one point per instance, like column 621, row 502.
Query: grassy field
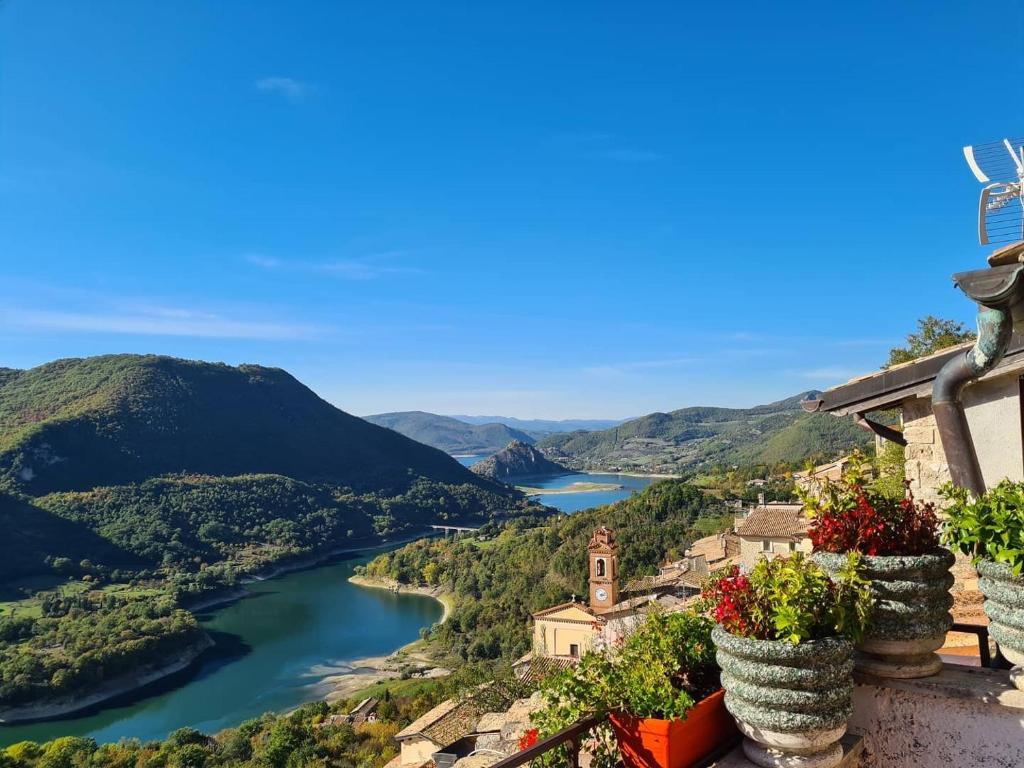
column 31, row 606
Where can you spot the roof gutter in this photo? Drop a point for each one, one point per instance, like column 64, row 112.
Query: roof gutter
column 998, row 292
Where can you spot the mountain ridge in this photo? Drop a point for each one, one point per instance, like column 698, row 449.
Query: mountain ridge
column 78, row 423
column 449, row 434
column 688, row 438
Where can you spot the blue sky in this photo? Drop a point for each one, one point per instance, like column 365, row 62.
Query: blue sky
column 533, row 209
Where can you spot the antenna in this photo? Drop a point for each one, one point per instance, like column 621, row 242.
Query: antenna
column 1001, row 207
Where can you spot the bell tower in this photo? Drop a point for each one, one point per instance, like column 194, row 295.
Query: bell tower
column 604, row 569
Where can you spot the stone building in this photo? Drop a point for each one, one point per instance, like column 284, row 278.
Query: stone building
column 992, row 405
column 770, row 530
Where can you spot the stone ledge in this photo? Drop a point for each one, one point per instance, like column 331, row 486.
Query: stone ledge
column 988, row 686
column 853, row 748
column 961, row 716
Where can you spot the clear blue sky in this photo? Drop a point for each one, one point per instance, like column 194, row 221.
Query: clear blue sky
column 532, row 209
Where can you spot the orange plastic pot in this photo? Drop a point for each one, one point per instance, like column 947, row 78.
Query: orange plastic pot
column 650, row 743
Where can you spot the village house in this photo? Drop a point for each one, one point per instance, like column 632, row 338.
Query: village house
column 772, row 529
column 434, row 731
column 992, row 405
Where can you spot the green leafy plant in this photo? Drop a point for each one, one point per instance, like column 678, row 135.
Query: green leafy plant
column 792, row 599
column 659, row 671
column 989, row 526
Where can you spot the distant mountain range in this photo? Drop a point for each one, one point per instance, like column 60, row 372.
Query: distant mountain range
column 518, row 460
column 450, row 434
column 542, row 427
column 689, row 438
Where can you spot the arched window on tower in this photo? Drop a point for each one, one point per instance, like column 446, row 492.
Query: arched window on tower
column 600, row 566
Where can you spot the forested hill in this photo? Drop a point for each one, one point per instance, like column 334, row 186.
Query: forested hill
column 448, row 434
column 131, row 484
column 80, row 423
column 518, row 460
column 693, row 437
column 535, row 564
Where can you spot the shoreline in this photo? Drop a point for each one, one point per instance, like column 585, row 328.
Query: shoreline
column 132, row 681
column 444, row 598
column 655, row 475
column 377, row 669
column 117, row 686
column 228, row 595
column 581, row 487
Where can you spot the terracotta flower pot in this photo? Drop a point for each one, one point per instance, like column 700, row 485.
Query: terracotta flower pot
column 652, row 743
column 1004, row 606
column 792, row 702
column 911, row 616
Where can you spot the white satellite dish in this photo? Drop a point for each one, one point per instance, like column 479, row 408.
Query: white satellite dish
column 1001, row 207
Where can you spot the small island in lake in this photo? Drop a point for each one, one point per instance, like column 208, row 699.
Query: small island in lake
column 518, row 459
column 571, row 488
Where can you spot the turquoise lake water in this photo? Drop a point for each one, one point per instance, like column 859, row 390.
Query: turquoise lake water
column 275, row 648
column 574, row 502
column 274, row 651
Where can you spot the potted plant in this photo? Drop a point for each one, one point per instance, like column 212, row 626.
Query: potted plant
column 898, row 540
column 990, row 529
column 785, row 645
column 660, row 688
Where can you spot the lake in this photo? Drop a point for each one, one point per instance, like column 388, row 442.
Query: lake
column 574, row 502
column 274, row 651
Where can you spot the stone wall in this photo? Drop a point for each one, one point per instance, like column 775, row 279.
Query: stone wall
column 926, row 464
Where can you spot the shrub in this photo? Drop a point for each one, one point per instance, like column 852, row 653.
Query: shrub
column 660, row 671
column 791, row 599
column 849, row 515
column 990, row 526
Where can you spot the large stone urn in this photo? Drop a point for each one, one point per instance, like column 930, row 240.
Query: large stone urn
column 911, row 615
column 790, row 701
column 1004, row 606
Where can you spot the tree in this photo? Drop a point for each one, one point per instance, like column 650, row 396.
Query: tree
column 933, row 334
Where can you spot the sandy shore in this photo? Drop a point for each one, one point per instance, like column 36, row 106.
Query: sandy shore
column 53, row 708
column 530, row 490
column 437, row 593
column 410, row 658
column 653, row 475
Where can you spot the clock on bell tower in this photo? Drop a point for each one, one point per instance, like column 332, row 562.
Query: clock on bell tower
column 604, row 569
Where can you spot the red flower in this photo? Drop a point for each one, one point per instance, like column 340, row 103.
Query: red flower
column 528, row 739
column 875, row 525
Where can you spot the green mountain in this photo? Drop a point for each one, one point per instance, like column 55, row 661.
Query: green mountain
column 130, row 485
column 517, row 460
column 136, row 461
column 693, row 437
column 448, row 434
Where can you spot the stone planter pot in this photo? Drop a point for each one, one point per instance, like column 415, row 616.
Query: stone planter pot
column 911, row 616
column 790, row 701
column 1004, row 606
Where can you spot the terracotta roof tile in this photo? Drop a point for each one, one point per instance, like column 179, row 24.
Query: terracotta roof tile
column 774, row 521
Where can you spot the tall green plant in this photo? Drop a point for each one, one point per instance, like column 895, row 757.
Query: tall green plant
column 989, row 526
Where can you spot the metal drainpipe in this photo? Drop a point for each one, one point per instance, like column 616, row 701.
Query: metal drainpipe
column 995, row 327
